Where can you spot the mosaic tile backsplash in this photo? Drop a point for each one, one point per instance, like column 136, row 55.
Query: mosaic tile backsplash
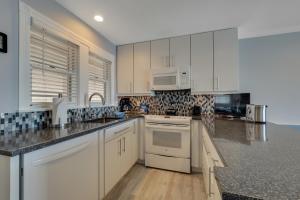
column 81, row 114
column 20, row 121
column 24, row 120
column 182, row 100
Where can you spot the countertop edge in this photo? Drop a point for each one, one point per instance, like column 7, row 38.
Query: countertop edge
column 32, row 148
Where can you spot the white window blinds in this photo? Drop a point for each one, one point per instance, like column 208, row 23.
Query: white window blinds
column 99, row 78
column 54, row 66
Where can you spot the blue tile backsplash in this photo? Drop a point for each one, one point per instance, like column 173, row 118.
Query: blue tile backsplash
column 24, row 120
column 18, row 121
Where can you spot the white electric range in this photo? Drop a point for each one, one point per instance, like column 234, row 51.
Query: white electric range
column 168, row 142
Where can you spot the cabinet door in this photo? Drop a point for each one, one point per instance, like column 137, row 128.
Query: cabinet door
column 205, row 169
column 141, row 135
column 180, row 52
column 226, row 60
column 125, row 69
column 126, row 159
column 202, row 61
column 101, row 161
column 196, row 145
column 142, row 68
column 67, row 170
column 113, row 167
column 135, row 143
column 160, row 54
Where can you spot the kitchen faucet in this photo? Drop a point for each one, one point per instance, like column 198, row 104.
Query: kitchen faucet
column 94, row 94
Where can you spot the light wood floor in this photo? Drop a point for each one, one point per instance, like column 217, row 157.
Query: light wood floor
column 143, row 183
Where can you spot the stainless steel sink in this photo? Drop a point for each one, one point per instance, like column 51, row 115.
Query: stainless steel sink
column 101, row 120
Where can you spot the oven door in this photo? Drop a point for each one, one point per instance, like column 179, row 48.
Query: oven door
column 168, row 139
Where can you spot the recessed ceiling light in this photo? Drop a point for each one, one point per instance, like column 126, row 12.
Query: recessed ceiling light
column 98, row 18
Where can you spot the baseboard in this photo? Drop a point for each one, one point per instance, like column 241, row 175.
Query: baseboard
column 141, row 162
column 196, row 170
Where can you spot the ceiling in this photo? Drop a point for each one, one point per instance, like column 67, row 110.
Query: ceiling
column 128, row 21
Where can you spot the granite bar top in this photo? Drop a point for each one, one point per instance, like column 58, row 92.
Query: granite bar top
column 262, row 160
column 22, row 142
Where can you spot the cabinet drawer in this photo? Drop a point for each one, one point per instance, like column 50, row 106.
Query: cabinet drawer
column 211, row 149
column 118, row 130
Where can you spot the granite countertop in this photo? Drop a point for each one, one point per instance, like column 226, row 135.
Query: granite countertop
column 262, row 160
column 15, row 143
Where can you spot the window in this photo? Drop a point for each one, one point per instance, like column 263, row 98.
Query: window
column 54, row 59
column 54, row 66
column 99, row 78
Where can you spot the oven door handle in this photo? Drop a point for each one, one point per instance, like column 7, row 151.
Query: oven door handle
column 168, row 127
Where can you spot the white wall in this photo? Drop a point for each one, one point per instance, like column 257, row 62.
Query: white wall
column 270, row 70
column 9, row 83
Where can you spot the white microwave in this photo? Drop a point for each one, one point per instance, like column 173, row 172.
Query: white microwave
column 170, row 79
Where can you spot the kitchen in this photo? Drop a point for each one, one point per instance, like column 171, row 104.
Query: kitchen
column 106, row 100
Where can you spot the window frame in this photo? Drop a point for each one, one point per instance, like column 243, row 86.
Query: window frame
column 68, row 44
column 85, row 46
column 106, row 87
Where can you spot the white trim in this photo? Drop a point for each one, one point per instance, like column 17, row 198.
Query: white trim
column 10, row 179
column 26, row 12
column 24, row 66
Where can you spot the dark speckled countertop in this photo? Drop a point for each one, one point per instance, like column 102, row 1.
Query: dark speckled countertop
column 16, row 143
column 262, row 160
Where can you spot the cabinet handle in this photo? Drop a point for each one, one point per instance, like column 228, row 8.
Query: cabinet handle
column 173, row 61
column 216, row 83
column 120, row 147
column 193, row 84
column 166, row 61
column 211, row 171
column 148, row 86
column 131, row 87
column 124, row 147
column 215, row 161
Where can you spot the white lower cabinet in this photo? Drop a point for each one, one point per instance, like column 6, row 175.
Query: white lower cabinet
column 210, row 160
column 196, row 145
column 68, row 170
column 135, row 143
column 101, row 161
column 121, row 152
column 141, row 138
column 9, row 177
column 112, row 163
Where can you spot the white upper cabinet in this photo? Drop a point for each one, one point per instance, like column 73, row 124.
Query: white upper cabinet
column 160, row 53
column 125, row 69
column 180, row 52
column 142, row 68
column 202, row 62
column 226, row 60
column 211, row 58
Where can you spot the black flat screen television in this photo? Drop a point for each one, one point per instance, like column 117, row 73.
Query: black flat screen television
column 232, row 104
